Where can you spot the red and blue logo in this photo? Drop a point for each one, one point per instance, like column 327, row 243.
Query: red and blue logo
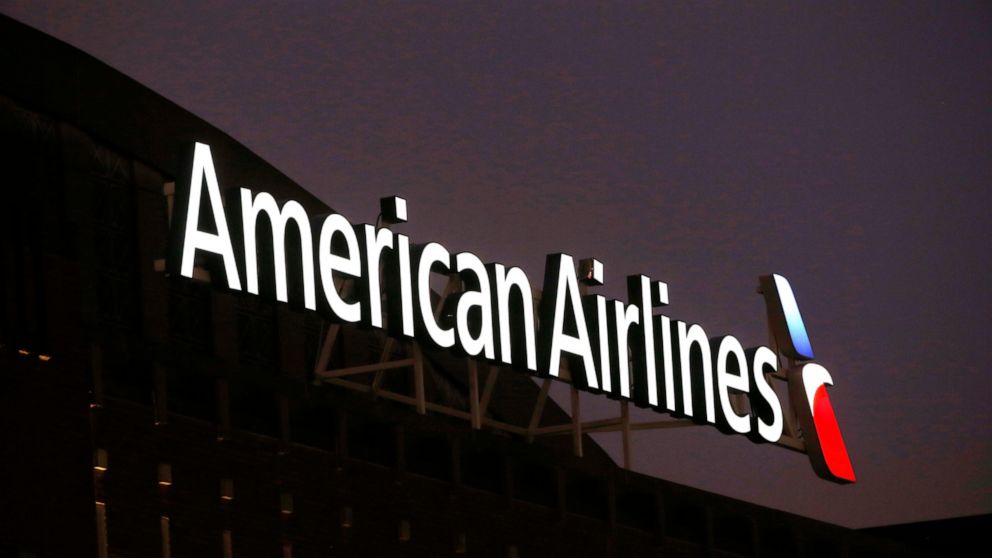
column 808, row 392
column 808, row 383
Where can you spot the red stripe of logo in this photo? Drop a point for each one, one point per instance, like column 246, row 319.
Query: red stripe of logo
column 828, row 432
column 824, row 443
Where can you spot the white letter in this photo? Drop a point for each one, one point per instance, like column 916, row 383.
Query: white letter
column 642, row 297
column 568, row 285
column 195, row 239
column 605, row 375
column 624, row 317
column 665, row 328
column 505, row 280
column 763, row 356
column 406, row 295
column 696, row 334
column 484, row 342
column 726, row 381
column 433, row 253
column 376, row 240
column 331, row 262
column 290, row 210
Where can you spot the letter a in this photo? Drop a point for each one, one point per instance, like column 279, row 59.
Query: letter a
column 195, row 239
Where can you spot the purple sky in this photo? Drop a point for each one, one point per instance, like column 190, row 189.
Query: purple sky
column 846, row 147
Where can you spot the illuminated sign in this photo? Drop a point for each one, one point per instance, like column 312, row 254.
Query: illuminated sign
column 625, row 350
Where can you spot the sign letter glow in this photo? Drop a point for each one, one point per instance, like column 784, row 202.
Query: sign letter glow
column 349, row 266
column 377, row 278
column 694, row 335
column 264, row 202
column 432, row 254
column 480, row 299
column 565, row 293
column 765, row 360
column 730, row 349
column 195, row 239
column 505, row 281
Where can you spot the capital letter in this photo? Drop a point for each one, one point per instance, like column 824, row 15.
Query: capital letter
column 195, row 239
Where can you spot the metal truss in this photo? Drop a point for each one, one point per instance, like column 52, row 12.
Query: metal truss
column 478, row 400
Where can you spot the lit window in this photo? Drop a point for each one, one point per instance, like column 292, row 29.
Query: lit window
column 100, row 460
column 164, row 474
column 227, row 489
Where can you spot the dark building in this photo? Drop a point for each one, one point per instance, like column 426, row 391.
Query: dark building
column 146, row 415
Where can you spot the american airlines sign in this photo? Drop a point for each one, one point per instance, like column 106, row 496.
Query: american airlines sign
column 624, row 350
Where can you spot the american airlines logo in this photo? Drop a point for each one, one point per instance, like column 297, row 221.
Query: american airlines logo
column 807, row 384
column 623, row 350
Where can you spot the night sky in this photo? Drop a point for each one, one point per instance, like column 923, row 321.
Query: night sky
column 847, row 147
